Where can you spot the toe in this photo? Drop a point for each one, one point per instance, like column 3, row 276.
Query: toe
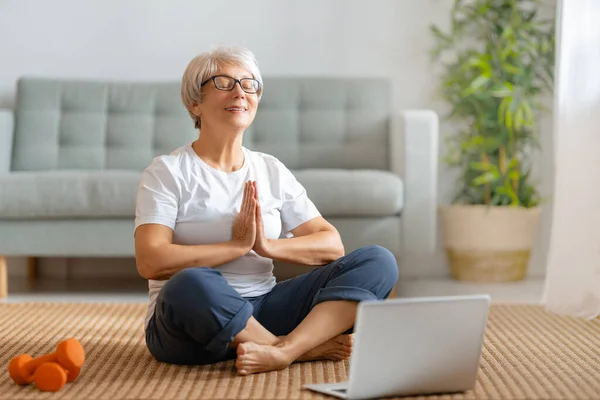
column 245, row 348
column 345, row 340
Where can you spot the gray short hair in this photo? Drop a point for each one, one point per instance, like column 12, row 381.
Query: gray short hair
column 206, row 64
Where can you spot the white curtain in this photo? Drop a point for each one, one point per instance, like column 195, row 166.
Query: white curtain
column 573, row 270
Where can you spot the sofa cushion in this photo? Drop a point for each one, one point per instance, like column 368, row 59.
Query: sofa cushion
column 348, row 193
column 112, row 193
column 68, row 194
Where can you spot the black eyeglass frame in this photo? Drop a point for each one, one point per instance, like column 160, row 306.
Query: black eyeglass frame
column 238, row 81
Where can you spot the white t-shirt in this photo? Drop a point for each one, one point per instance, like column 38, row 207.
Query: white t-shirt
column 200, row 204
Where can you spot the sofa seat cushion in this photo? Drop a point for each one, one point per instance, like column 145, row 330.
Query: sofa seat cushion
column 68, row 194
column 112, row 193
column 353, row 193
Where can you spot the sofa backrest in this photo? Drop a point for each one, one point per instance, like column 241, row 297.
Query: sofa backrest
column 305, row 122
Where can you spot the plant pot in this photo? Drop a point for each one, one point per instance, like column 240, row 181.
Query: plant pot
column 488, row 244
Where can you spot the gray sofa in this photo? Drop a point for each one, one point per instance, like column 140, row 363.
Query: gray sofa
column 72, row 151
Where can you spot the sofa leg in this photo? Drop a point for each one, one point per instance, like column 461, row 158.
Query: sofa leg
column 32, row 269
column 3, row 278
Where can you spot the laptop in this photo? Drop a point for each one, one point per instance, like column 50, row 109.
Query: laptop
column 414, row 346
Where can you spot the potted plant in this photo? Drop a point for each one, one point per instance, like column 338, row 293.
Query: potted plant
column 497, row 60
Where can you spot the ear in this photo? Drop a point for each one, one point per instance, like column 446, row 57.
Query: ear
column 196, row 109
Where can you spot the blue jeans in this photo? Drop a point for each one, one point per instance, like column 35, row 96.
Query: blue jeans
column 197, row 313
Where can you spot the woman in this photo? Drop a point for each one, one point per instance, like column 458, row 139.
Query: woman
column 209, row 218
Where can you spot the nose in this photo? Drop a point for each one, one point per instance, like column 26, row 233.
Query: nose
column 238, row 91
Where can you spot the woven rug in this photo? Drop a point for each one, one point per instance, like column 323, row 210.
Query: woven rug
column 528, row 354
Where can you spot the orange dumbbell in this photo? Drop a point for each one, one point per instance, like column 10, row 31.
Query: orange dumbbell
column 49, row 372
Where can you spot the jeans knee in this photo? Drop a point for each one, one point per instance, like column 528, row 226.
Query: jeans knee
column 189, row 285
column 384, row 264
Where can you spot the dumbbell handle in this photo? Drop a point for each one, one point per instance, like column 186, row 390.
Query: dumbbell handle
column 31, row 366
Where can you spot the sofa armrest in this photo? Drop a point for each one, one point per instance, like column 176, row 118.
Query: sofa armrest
column 414, row 146
column 6, row 139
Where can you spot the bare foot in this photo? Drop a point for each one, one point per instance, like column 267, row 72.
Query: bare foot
column 338, row 348
column 253, row 358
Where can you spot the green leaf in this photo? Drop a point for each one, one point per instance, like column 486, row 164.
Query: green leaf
column 479, row 166
column 513, row 163
column 484, row 178
column 479, row 82
column 511, row 68
column 507, row 32
column 472, row 143
column 480, row 62
column 438, row 33
column 508, row 119
column 504, row 104
column 491, row 144
column 545, row 47
column 519, row 118
column 505, row 52
column 511, row 193
column 501, row 91
column 476, row 84
column 528, row 112
column 483, row 9
column 501, row 191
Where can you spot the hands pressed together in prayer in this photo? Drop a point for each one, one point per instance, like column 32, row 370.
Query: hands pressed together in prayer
column 248, row 227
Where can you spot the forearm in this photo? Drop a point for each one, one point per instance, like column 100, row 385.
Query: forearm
column 163, row 261
column 318, row 248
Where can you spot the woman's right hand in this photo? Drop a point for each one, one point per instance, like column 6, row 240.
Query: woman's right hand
column 244, row 226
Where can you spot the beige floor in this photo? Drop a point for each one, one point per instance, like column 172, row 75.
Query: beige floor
column 134, row 290
column 527, row 354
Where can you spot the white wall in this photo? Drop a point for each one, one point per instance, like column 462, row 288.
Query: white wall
column 148, row 40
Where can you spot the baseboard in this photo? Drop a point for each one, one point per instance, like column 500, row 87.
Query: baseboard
column 415, row 268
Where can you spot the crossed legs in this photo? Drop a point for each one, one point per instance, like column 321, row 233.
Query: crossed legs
column 199, row 319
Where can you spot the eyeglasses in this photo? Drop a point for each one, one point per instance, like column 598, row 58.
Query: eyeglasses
column 227, row 83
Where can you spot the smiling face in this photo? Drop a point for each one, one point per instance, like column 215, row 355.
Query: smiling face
column 233, row 109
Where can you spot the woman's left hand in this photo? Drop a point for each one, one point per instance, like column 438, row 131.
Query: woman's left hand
column 262, row 245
